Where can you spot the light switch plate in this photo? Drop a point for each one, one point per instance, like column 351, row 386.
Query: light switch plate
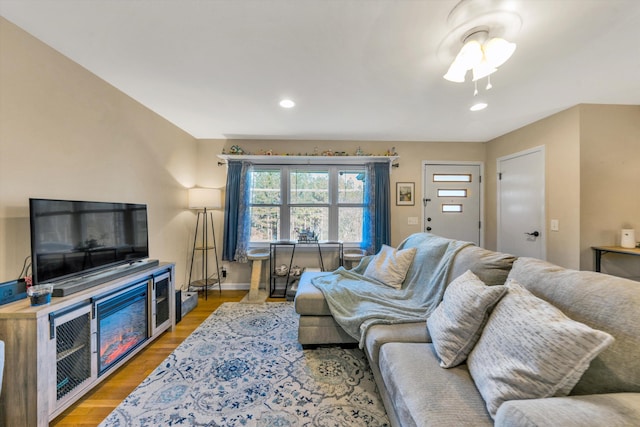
column 412, row 220
column 555, row 225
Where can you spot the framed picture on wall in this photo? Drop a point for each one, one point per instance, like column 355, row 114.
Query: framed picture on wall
column 405, row 193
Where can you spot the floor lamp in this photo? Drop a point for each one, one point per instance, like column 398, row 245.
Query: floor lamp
column 203, row 199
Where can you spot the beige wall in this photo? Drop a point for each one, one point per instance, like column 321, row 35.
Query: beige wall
column 610, row 183
column 64, row 133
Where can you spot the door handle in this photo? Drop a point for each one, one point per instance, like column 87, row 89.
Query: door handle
column 534, row 234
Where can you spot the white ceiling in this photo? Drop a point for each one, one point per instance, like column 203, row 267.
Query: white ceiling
column 357, row 69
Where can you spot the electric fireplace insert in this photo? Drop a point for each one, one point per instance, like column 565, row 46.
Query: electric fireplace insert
column 122, row 325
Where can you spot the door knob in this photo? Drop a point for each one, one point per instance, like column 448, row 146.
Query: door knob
column 534, row 234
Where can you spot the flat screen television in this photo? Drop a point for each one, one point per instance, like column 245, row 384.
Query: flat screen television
column 76, row 238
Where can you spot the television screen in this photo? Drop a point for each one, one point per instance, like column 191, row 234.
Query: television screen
column 71, row 238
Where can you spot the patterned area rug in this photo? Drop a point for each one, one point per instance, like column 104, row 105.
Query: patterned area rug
column 243, row 366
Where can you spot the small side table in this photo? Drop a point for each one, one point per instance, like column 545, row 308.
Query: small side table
column 602, row 250
column 274, row 247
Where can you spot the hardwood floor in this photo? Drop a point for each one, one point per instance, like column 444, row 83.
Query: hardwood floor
column 98, row 403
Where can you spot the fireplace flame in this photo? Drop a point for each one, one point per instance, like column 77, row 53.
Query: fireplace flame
column 121, row 331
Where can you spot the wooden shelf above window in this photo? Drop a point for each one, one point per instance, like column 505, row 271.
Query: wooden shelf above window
column 309, row 160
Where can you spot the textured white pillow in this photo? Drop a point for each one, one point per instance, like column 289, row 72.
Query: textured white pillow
column 529, row 349
column 390, row 265
column 456, row 324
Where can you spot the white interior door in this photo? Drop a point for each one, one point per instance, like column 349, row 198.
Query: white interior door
column 452, row 201
column 521, row 206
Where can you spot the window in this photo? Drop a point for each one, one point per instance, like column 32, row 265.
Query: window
column 265, row 205
column 451, row 208
column 325, row 200
column 451, row 193
column 447, row 177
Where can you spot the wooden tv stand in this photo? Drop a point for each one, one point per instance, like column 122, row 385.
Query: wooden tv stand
column 52, row 351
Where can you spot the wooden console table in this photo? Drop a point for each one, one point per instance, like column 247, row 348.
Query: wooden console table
column 602, row 250
column 52, row 351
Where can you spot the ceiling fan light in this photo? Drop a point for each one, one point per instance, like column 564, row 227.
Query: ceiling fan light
column 470, row 54
column 483, row 69
column 497, row 51
column 456, row 73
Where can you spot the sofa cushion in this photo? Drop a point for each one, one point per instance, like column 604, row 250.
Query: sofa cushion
column 456, row 324
column 309, row 300
column 390, row 265
column 314, row 330
column 604, row 302
column 378, row 335
column 530, row 349
column 423, row 394
column 490, row 267
column 609, row 409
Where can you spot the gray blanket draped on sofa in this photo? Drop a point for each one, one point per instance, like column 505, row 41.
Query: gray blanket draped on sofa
column 357, row 302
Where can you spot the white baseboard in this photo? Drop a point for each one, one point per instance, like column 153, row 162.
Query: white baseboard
column 235, row 286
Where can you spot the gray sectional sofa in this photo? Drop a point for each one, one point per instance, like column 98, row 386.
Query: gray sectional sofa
column 418, row 391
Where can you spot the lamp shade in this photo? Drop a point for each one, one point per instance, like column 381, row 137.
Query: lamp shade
column 200, row 198
column 483, row 59
column 470, row 54
column 456, row 73
column 497, row 51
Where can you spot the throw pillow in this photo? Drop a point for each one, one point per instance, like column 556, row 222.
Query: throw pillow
column 390, row 265
column 529, row 349
column 456, row 324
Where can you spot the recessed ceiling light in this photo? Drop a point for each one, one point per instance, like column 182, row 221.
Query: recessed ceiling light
column 287, row 103
column 479, row 106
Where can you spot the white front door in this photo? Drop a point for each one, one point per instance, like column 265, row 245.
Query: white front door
column 521, row 208
column 452, row 200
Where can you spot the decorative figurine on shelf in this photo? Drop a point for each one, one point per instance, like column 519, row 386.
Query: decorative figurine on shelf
column 306, row 235
column 236, row 149
column 359, row 152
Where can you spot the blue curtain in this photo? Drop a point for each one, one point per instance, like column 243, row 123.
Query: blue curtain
column 377, row 215
column 244, row 219
column 237, row 222
column 231, row 209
